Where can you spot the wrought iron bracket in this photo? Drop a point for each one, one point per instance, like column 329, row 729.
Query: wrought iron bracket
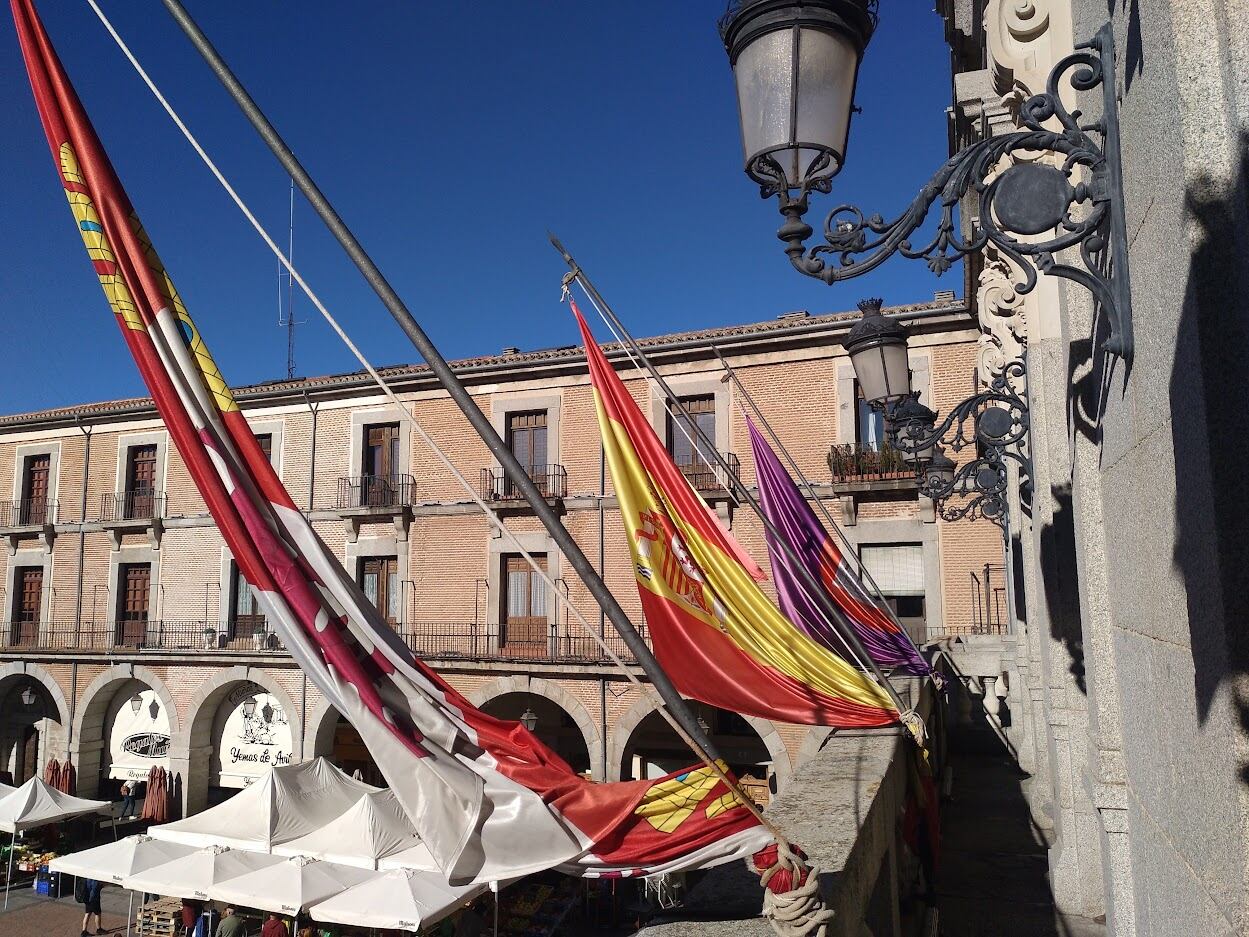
column 1029, row 211
column 1000, row 431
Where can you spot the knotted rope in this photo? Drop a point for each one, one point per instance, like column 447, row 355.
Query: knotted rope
column 792, row 902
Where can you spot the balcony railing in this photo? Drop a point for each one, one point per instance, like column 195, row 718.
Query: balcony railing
column 552, row 481
column 375, row 492
column 29, row 512
column 143, row 504
column 190, row 635
column 708, row 478
column 460, row 640
column 860, row 463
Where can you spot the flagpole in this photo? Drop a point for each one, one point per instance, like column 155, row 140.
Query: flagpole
column 449, row 380
column 878, row 598
column 814, row 589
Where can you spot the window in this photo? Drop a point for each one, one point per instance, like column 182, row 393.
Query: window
column 27, row 605
column 869, row 424
column 688, row 451
column 266, row 445
column 898, row 570
column 139, row 497
column 523, row 628
column 35, row 481
column 246, row 618
column 381, row 485
column 134, row 588
column 526, row 437
column 379, row 578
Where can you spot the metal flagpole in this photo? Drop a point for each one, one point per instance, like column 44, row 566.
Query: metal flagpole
column 515, row 472
column 865, row 575
column 815, row 591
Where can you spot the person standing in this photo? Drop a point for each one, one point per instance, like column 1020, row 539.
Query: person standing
column 231, row 924
column 127, row 799
column 191, row 911
column 274, row 927
column 91, row 907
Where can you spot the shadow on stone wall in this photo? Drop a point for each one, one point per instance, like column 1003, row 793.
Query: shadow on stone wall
column 1130, row 52
column 1209, row 401
column 1061, row 576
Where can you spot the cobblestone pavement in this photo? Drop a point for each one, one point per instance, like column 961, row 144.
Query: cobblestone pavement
column 31, row 915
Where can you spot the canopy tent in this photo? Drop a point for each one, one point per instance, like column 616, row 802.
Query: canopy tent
column 198, row 874
column 36, row 804
column 418, row 858
column 374, row 828
column 289, row 885
column 288, row 802
column 400, row 898
column 117, row 861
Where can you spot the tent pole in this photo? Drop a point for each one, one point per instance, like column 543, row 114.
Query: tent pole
column 129, row 909
column 451, row 382
column 8, row 879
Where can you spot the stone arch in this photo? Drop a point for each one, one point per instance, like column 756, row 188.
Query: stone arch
column 54, row 725
column 623, row 729
column 548, row 689
column 192, row 749
column 88, row 724
column 319, row 723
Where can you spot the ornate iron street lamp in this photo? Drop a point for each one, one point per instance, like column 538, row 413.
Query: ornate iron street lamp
column 795, row 64
column 998, row 418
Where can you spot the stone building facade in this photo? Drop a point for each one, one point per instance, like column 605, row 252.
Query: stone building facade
column 128, row 639
column 1125, row 672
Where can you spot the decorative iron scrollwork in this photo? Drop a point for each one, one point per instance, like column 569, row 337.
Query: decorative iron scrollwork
column 1016, row 206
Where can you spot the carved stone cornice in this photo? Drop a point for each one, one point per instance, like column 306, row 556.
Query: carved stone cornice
column 1002, row 314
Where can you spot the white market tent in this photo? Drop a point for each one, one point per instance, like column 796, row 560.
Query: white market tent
column 417, row 858
column 288, row 802
column 117, row 861
column 37, row 804
column 373, row 828
column 290, row 885
column 197, row 875
column 401, row 898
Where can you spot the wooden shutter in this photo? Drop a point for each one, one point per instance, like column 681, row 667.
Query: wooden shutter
column 246, row 619
column 379, row 579
column 266, row 445
column 28, row 605
column 134, row 587
column 524, row 630
column 688, row 452
column 380, row 487
column 526, row 437
column 34, row 507
column 140, row 494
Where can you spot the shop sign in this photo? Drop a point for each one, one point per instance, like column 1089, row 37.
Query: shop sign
column 253, row 735
column 138, row 740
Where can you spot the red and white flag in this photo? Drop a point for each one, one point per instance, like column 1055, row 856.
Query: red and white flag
column 490, row 801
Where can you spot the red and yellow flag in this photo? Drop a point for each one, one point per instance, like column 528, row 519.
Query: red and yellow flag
column 713, row 629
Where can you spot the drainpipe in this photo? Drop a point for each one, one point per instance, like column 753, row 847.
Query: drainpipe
column 602, row 617
column 86, row 430
column 312, row 456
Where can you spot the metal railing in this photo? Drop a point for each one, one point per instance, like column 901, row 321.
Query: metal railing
column 710, row 478
column 167, row 634
column 552, row 481
column 461, row 640
column 29, row 512
column 857, row 463
column 378, row 492
column 143, row 504
column 988, row 601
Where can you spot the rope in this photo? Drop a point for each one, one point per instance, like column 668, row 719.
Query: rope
column 792, row 902
column 407, row 416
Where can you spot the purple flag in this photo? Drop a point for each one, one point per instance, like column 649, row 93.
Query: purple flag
column 784, row 505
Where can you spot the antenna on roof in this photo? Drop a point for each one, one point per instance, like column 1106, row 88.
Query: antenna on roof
column 286, row 304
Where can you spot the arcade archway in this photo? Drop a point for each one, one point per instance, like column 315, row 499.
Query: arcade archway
column 550, row 722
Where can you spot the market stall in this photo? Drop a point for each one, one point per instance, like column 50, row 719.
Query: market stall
column 288, row 802
column 402, row 898
column 373, row 828
column 37, row 804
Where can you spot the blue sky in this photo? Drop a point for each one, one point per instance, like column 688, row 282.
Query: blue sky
column 451, row 137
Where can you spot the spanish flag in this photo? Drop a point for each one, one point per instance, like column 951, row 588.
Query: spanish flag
column 712, row 627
